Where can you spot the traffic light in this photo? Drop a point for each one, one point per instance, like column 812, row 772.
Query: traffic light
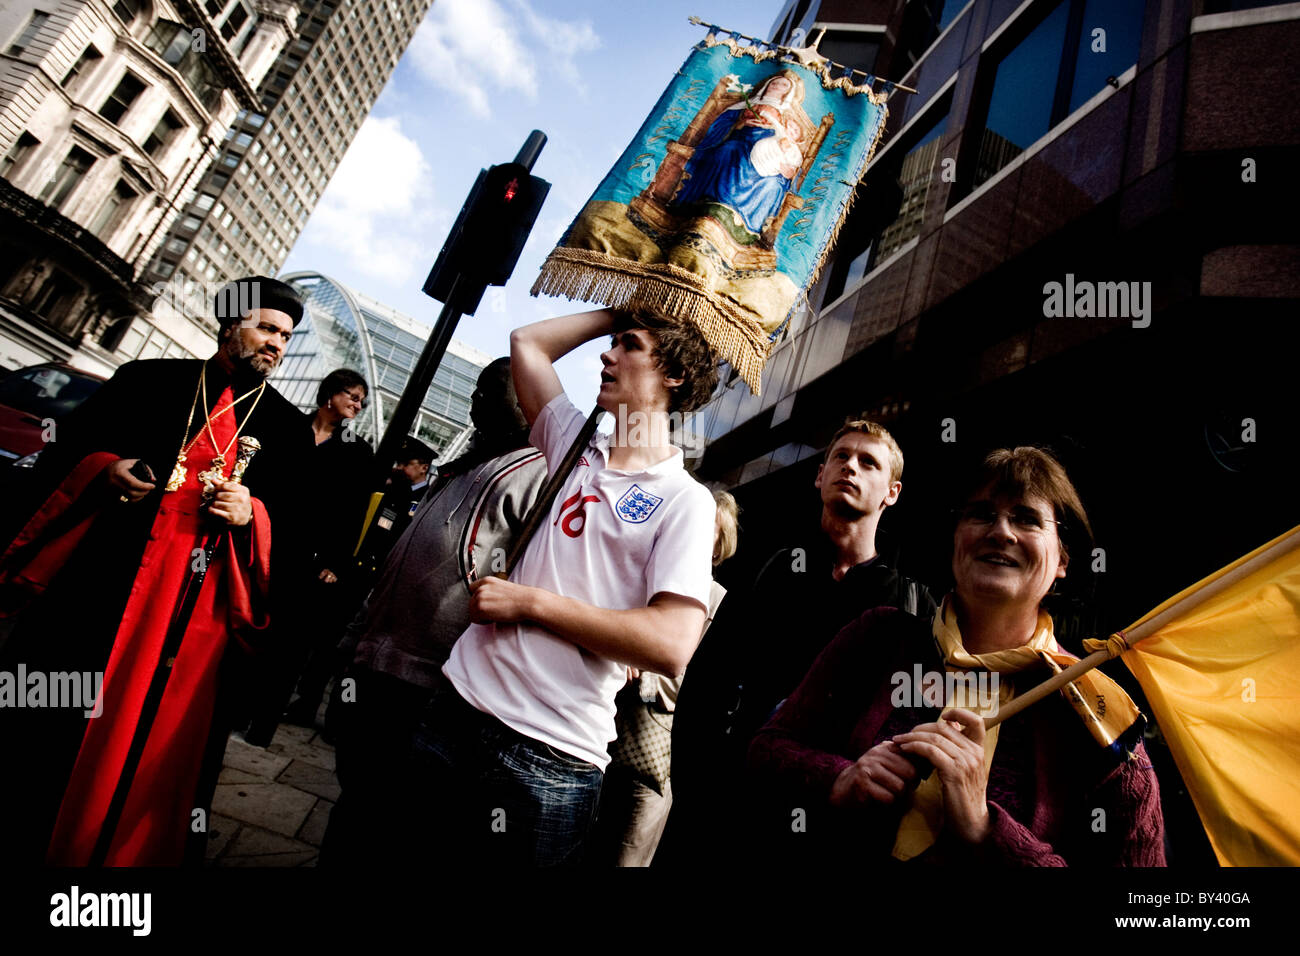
column 481, row 249
column 490, row 232
column 504, row 214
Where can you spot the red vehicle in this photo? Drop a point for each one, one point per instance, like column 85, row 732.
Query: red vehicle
column 33, row 397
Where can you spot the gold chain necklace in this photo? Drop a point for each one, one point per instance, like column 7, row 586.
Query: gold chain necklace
column 216, row 471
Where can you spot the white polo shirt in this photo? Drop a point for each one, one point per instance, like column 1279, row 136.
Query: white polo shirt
column 614, row 539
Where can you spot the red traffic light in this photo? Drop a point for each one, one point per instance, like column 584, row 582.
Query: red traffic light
column 489, row 234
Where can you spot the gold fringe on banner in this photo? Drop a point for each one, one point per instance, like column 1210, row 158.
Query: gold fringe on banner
column 666, row 290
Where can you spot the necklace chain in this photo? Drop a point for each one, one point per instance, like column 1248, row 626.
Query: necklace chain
column 219, row 460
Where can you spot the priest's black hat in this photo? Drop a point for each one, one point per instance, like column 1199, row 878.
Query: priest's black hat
column 237, row 298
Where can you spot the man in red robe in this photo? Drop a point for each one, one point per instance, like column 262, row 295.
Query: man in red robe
column 146, row 564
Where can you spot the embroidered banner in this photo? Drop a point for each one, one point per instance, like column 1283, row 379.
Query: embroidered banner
column 721, row 210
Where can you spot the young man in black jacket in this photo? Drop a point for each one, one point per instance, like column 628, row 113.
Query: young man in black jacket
column 759, row 649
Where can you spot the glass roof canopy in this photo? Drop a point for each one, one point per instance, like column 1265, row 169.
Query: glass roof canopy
column 342, row 328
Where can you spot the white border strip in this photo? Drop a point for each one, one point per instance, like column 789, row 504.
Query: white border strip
column 1050, row 136
column 849, row 27
column 992, row 38
column 1245, row 18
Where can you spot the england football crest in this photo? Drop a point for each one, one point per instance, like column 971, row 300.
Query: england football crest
column 636, row 505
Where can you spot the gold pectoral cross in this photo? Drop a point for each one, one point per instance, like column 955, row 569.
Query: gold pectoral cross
column 211, row 475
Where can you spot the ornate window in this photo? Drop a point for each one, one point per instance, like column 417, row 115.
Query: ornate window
column 73, row 169
column 120, row 100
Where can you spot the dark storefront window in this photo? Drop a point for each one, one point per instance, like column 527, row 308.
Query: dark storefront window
column 923, row 21
column 855, row 48
column 1121, row 21
column 891, row 204
column 1020, row 108
column 1072, row 51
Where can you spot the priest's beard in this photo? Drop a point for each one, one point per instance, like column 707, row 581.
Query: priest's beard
column 245, row 356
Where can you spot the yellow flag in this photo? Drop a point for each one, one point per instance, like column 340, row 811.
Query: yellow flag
column 1223, row 681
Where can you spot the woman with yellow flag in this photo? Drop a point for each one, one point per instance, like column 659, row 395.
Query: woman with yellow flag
column 860, row 750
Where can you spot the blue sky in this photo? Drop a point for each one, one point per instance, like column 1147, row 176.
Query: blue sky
column 477, row 78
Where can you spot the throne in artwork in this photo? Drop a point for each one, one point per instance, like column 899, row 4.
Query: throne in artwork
column 655, row 206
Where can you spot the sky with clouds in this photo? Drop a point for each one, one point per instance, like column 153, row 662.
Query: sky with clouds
column 477, row 78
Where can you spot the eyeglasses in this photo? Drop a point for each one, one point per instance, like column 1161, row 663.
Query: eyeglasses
column 983, row 515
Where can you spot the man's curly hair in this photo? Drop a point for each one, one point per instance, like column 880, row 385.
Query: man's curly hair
column 682, row 353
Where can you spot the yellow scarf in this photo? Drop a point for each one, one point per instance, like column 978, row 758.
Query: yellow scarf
column 1101, row 703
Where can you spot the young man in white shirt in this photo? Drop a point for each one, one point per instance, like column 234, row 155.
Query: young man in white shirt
column 511, row 762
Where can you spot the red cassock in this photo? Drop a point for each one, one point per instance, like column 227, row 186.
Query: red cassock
column 159, row 809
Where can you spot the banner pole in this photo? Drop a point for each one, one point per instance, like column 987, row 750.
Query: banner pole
column 1284, row 545
column 551, row 490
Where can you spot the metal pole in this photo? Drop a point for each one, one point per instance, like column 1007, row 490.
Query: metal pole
column 408, row 406
column 551, row 490
column 531, row 149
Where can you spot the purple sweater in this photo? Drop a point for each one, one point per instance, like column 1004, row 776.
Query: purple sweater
column 1056, row 798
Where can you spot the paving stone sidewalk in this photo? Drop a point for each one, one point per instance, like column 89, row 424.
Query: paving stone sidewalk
column 272, row 804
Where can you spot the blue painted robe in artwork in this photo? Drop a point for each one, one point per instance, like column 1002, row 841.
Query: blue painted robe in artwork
column 721, row 171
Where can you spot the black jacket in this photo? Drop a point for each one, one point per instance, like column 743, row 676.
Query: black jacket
column 755, row 653
column 338, row 483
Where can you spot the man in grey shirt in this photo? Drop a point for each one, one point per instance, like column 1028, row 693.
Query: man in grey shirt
column 416, row 611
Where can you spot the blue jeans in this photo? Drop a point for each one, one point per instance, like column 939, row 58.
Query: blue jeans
column 488, row 794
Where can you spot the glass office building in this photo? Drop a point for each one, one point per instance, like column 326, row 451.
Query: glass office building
column 343, row 328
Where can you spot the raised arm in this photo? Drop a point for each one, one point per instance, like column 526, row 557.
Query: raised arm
column 535, row 348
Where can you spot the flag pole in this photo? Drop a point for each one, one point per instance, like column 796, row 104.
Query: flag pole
column 795, row 51
column 542, row 507
column 1284, row 545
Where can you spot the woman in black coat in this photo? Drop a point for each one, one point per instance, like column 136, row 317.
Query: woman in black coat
column 335, row 480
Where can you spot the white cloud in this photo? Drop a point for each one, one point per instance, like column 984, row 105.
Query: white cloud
column 563, row 40
column 481, row 49
column 369, row 210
